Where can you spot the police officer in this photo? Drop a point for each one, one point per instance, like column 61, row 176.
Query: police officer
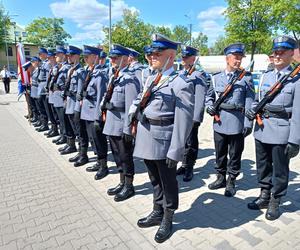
column 233, row 127
column 102, row 63
column 52, row 115
column 35, row 61
column 58, row 100
column 41, row 92
column 134, row 65
column 198, row 78
column 148, row 70
column 92, row 94
column 76, row 77
column 164, row 125
column 125, row 90
column 278, row 139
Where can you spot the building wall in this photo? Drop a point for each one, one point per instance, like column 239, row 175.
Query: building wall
column 30, row 50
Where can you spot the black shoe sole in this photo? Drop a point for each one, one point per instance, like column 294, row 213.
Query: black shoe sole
column 116, row 199
column 149, row 225
column 164, row 239
column 217, row 187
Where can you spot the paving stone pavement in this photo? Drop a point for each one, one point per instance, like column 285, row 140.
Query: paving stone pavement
column 46, row 203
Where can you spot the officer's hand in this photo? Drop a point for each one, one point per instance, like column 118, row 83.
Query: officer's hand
column 171, row 163
column 97, row 125
column 196, row 124
column 78, row 97
column 131, row 118
column 63, row 94
column 291, row 150
column 127, row 138
column 76, row 116
column 211, row 110
column 250, row 114
column 247, row 131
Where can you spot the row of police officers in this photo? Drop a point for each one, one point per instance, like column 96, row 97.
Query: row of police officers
column 154, row 113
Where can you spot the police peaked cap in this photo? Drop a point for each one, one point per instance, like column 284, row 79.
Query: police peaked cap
column 89, row 50
column 73, row 50
column 189, row 51
column 284, row 42
column 235, row 48
column 161, row 42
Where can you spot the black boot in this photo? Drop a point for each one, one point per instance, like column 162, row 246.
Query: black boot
column 48, row 132
column 189, row 173
column 153, row 219
column 230, row 186
column 43, row 127
column 33, row 119
column 119, row 187
column 83, row 158
column 71, row 148
column 95, row 167
column 273, row 212
column 62, row 140
column 37, row 124
column 63, row 148
column 76, row 157
column 103, row 170
column 127, row 191
column 57, row 139
column 181, row 170
column 219, row 183
column 165, row 229
column 262, row 201
column 54, row 132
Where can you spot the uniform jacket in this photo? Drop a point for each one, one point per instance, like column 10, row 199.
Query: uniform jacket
column 90, row 109
column 242, row 95
column 125, row 92
column 59, row 85
column 279, row 130
column 77, row 80
column 136, row 69
column 199, row 80
column 174, row 99
column 43, row 76
column 53, row 72
column 34, row 83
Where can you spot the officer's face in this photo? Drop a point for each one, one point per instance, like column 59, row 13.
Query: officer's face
column 148, row 58
column 60, row 57
column 282, row 58
column 43, row 56
column 34, row 64
column 159, row 59
column 73, row 58
column 187, row 61
column 51, row 59
column 234, row 61
column 90, row 59
column 116, row 60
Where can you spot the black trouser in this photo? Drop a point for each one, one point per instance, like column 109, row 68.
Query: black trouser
column 60, row 113
column 33, row 107
column 49, row 110
column 69, row 127
column 232, row 144
column 6, row 82
column 123, row 154
column 191, row 147
column 272, row 167
column 43, row 113
column 37, row 104
column 83, row 135
column 98, row 138
column 75, row 123
column 164, row 182
column 55, row 115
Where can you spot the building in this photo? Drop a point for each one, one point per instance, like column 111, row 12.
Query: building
column 8, row 55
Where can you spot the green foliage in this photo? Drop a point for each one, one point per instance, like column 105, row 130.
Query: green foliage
column 4, row 26
column 219, row 45
column 200, row 42
column 47, row 32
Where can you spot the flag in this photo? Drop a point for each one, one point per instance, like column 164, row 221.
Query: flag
column 23, row 76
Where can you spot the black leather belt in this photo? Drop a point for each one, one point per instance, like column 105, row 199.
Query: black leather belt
column 229, row 107
column 160, row 122
column 111, row 107
column 281, row 115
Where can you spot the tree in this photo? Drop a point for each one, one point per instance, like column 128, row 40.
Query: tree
column 251, row 22
column 4, row 26
column 288, row 17
column 47, row 32
column 130, row 32
column 200, row 42
column 181, row 34
column 219, row 45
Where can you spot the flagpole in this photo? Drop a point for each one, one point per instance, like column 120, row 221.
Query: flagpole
column 109, row 35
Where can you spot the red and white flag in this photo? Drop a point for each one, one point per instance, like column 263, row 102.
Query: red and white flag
column 24, row 76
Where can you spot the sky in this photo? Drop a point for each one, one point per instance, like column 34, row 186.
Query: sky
column 84, row 19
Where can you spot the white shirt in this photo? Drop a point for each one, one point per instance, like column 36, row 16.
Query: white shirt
column 5, row 74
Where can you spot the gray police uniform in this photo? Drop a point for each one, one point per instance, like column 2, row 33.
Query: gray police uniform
column 90, row 110
column 34, row 83
column 281, row 124
column 126, row 89
column 191, row 147
column 228, row 131
column 136, row 68
column 72, row 104
column 165, row 125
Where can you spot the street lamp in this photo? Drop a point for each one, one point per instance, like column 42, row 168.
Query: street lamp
column 190, row 27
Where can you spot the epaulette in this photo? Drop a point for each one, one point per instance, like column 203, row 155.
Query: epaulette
column 268, row 70
column 248, row 73
column 172, row 77
column 217, row 73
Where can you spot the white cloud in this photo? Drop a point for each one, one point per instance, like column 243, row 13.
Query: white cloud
column 90, row 16
column 212, row 13
column 211, row 22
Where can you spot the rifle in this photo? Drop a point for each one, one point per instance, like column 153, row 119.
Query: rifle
column 87, row 80
column 55, row 77
column 68, row 82
column 271, row 94
column 145, row 98
column 49, row 80
column 192, row 67
column 236, row 77
column 110, row 89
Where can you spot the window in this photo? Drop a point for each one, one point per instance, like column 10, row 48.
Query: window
column 10, row 51
column 27, row 51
